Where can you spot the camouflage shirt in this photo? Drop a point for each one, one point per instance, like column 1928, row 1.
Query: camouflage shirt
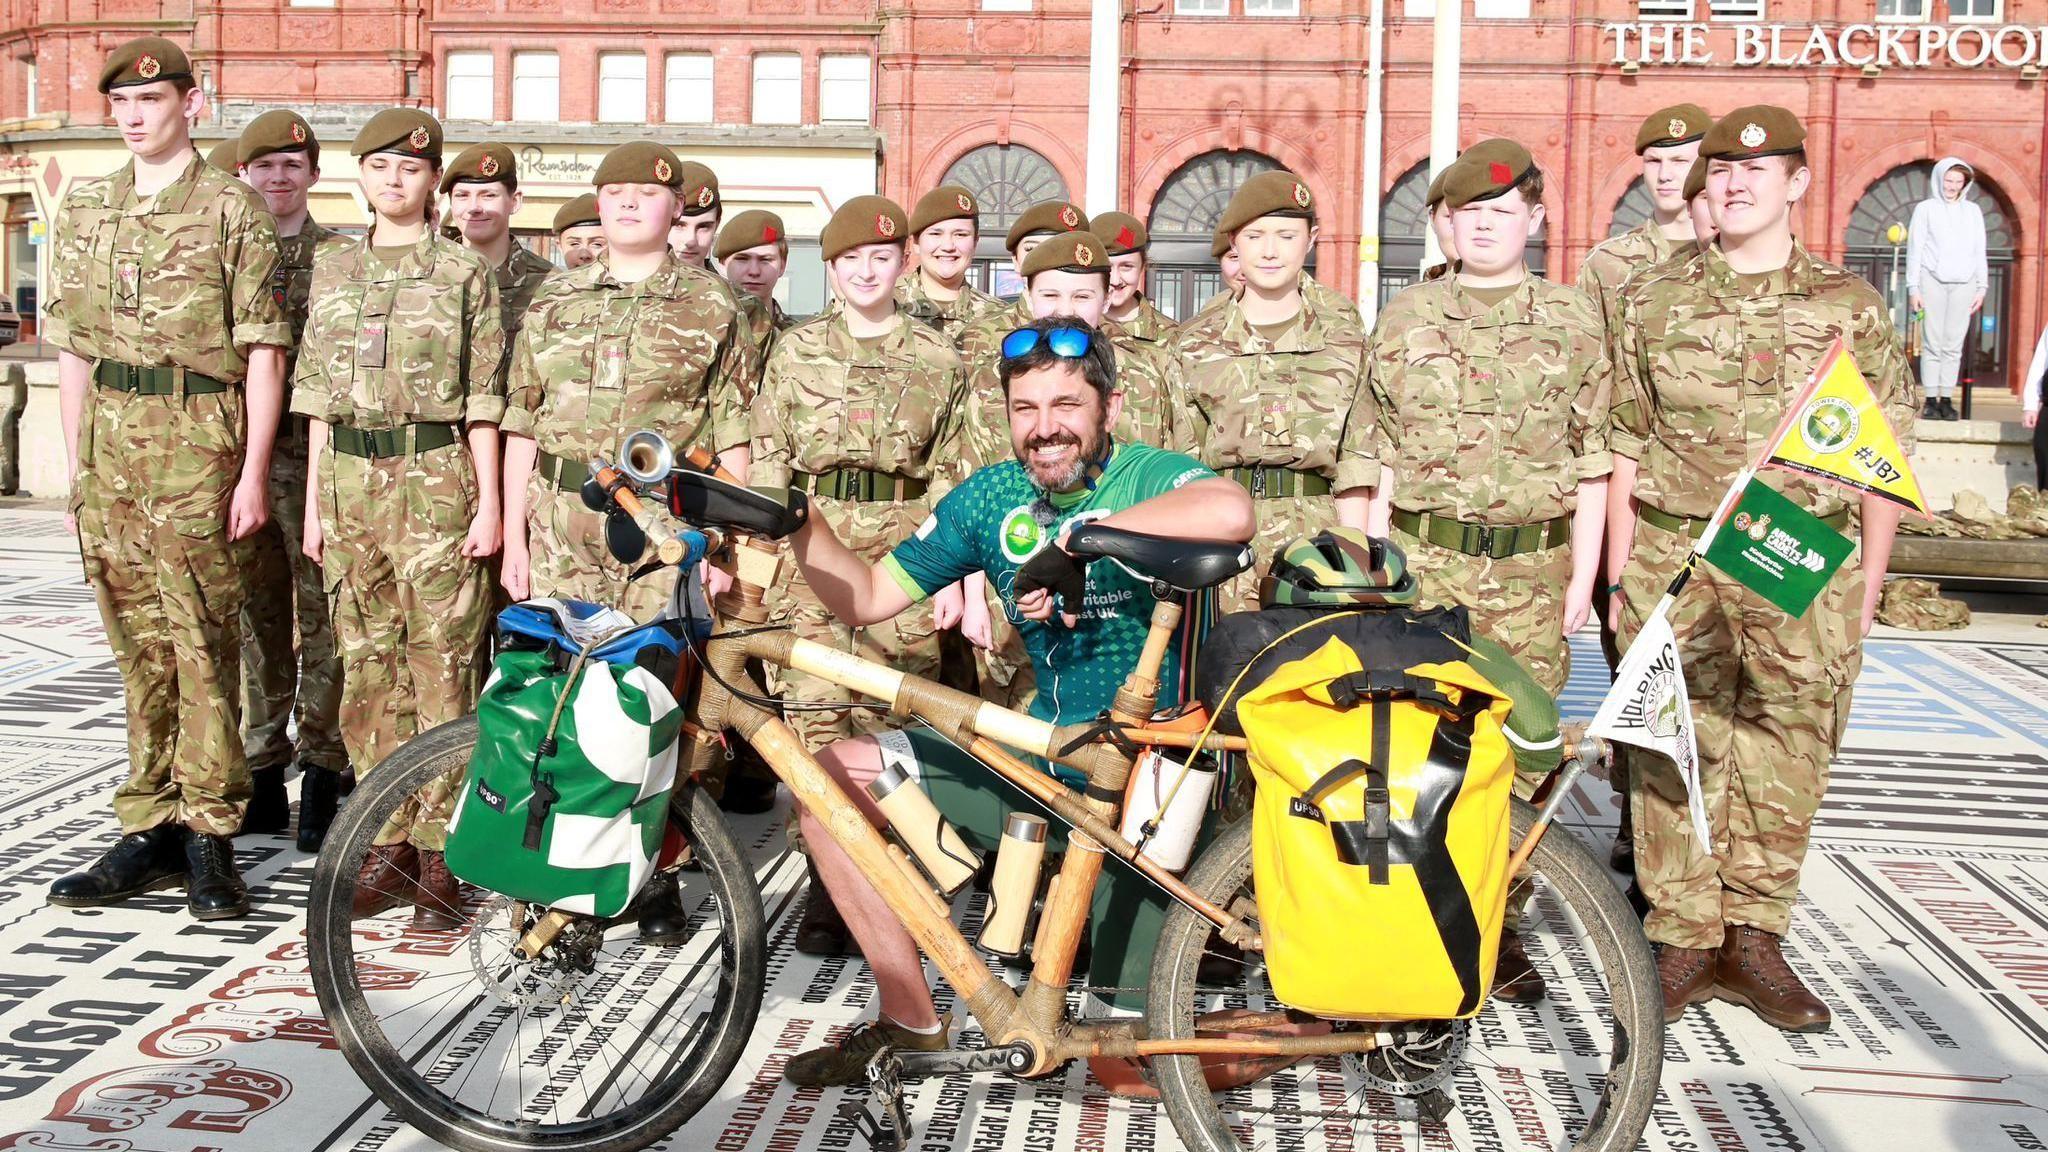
column 1608, row 268
column 293, row 281
column 1301, row 404
column 519, row 279
column 1491, row 415
column 414, row 341
column 1708, row 358
column 765, row 321
column 182, row 278
column 1149, row 324
column 828, row 401
column 1155, row 412
column 597, row 360
column 952, row 318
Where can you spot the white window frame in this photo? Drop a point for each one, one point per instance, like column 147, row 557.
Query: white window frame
column 312, row 3
column 1919, row 17
column 525, row 109
column 672, row 104
column 837, row 103
column 1006, row 5
column 451, row 74
column 780, row 61
column 1760, row 14
column 1684, row 17
column 1201, row 7
column 1501, row 9
column 629, row 88
column 28, row 68
column 1997, row 14
column 1272, row 9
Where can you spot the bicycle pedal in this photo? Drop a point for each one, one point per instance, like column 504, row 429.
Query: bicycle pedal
column 881, row 1135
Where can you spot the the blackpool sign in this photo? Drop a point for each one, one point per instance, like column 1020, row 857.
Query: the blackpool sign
column 1824, row 45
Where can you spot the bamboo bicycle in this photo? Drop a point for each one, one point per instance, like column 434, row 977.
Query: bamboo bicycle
column 531, row 1028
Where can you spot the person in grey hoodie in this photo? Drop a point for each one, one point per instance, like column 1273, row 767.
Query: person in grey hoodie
column 1946, row 275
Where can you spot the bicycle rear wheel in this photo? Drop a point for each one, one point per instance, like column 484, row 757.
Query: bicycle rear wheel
column 601, row 1044
column 1577, row 1070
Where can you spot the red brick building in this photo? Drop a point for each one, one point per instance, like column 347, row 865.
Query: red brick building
column 996, row 92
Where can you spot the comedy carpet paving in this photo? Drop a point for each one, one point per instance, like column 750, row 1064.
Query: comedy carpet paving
column 1923, row 922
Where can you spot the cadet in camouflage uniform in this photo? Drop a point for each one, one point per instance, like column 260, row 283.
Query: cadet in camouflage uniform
column 859, row 408
column 753, row 253
column 1709, row 351
column 945, row 225
column 1440, row 223
column 482, row 186
column 694, row 233
column 401, row 366
column 170, row 363
column 636, row 339
column 288, row 653
column 1227, row 267
column 1669, row 143
column 1491, row 388
column 1126, row 237
column 578, row 232
column 1274, row 376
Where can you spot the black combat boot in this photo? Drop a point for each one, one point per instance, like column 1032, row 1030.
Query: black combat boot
column 659, row 908
column 319, row 798
column 1948, row 409
column 138, row 862
column 270, row 809
column 213, row 889
column 1930, row 409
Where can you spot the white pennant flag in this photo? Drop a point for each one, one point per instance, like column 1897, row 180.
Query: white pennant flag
column 1648, row 707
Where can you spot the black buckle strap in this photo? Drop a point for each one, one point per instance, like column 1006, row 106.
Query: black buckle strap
column 155, row 379
column 1107, row 729
column 565, row 474
column 385, row 443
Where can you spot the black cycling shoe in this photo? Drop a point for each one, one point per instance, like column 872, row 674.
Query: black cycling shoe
column 213, row 889
column 660, row 906
column 319, row 798
column 270, row 809
column 138, row 862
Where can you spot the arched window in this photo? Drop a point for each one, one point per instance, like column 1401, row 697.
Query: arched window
column 1005, row 179
column 1404, row 224
column 1871, row 254
column 1635, row 207
column 1180, row 273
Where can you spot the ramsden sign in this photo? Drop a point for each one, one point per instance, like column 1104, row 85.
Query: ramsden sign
column 1854, row 45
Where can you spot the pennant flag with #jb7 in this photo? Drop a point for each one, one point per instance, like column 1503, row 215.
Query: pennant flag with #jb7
column 1777, row 549
column 1836, row 430
column 1648, row 707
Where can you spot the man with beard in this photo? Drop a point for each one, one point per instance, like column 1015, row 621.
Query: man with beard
column 280, row 157
column 1059, row 377
column 579, row 232
column 945, row 226
column 482, row 186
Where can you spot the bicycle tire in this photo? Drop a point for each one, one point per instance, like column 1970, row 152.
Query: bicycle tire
column 389, row 1075
column 1561, row 860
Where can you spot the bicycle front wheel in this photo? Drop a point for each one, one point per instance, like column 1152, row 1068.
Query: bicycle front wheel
column 1582, row 1065
column 602, row 1043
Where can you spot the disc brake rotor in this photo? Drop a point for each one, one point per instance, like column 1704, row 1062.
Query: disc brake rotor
column 1414, row 1058
column 550, row 979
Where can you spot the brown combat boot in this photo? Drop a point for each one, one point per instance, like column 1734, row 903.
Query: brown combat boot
column 1685, row 976
column 1750, row 970
column 437, row 907
column 1515, row 980
column 388, row 877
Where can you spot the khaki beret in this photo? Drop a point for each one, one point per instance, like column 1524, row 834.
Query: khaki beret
column 1049, row 216
column 406, row 131
column 640, row 162
column 1275, row 193
column 863, row 220
column 1121, row 231
column 144, row 61
column 700, row 189
column 1219, row 244
column 1674, row 125
column 582, row 210
column 223, row 156
column 278, row 130
column 749, row 229
column 946, row 202
column 1067, row 252
column 1485, row 170
column 1696, row 178
column 1757, row 130
column 482, row 164
column 1435, row 195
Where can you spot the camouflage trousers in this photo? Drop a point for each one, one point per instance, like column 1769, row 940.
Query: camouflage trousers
column 908, row 643
column 410, row 611
column 288, row 655
column 570, row 560
column 1770, row 701
column 155, row 475
column 1517, row 601
column 1280, row 519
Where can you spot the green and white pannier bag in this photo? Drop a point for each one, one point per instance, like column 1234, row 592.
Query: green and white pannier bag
column 571, row 820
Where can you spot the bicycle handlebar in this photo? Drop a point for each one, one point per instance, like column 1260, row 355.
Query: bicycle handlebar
column 678, row 546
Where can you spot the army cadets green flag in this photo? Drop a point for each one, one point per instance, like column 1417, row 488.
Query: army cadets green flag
column 1835, row 430
column 1777, row 549
column 1649, row 707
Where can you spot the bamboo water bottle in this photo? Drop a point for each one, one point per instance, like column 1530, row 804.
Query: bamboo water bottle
column 923, row 830
column 1018, row 859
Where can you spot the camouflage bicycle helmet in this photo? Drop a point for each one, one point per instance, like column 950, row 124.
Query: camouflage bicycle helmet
column 1338, row 568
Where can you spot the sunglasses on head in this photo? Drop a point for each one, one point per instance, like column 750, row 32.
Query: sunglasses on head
column 1066, row 343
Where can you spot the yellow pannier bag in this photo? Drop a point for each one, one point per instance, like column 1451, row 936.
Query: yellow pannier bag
column 1380, row 834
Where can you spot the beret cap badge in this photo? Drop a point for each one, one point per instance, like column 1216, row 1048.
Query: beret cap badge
column 420, row 139
column 1301, row 196
column 1083, row 254
column 704, row 196
column 662, row 171
column 298, row 132
column 148, row 67
column 885, row 225
column 1070, row 218
column 966, row 205
column 1753, row 136
column 488, row 166
column 1675, row 128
